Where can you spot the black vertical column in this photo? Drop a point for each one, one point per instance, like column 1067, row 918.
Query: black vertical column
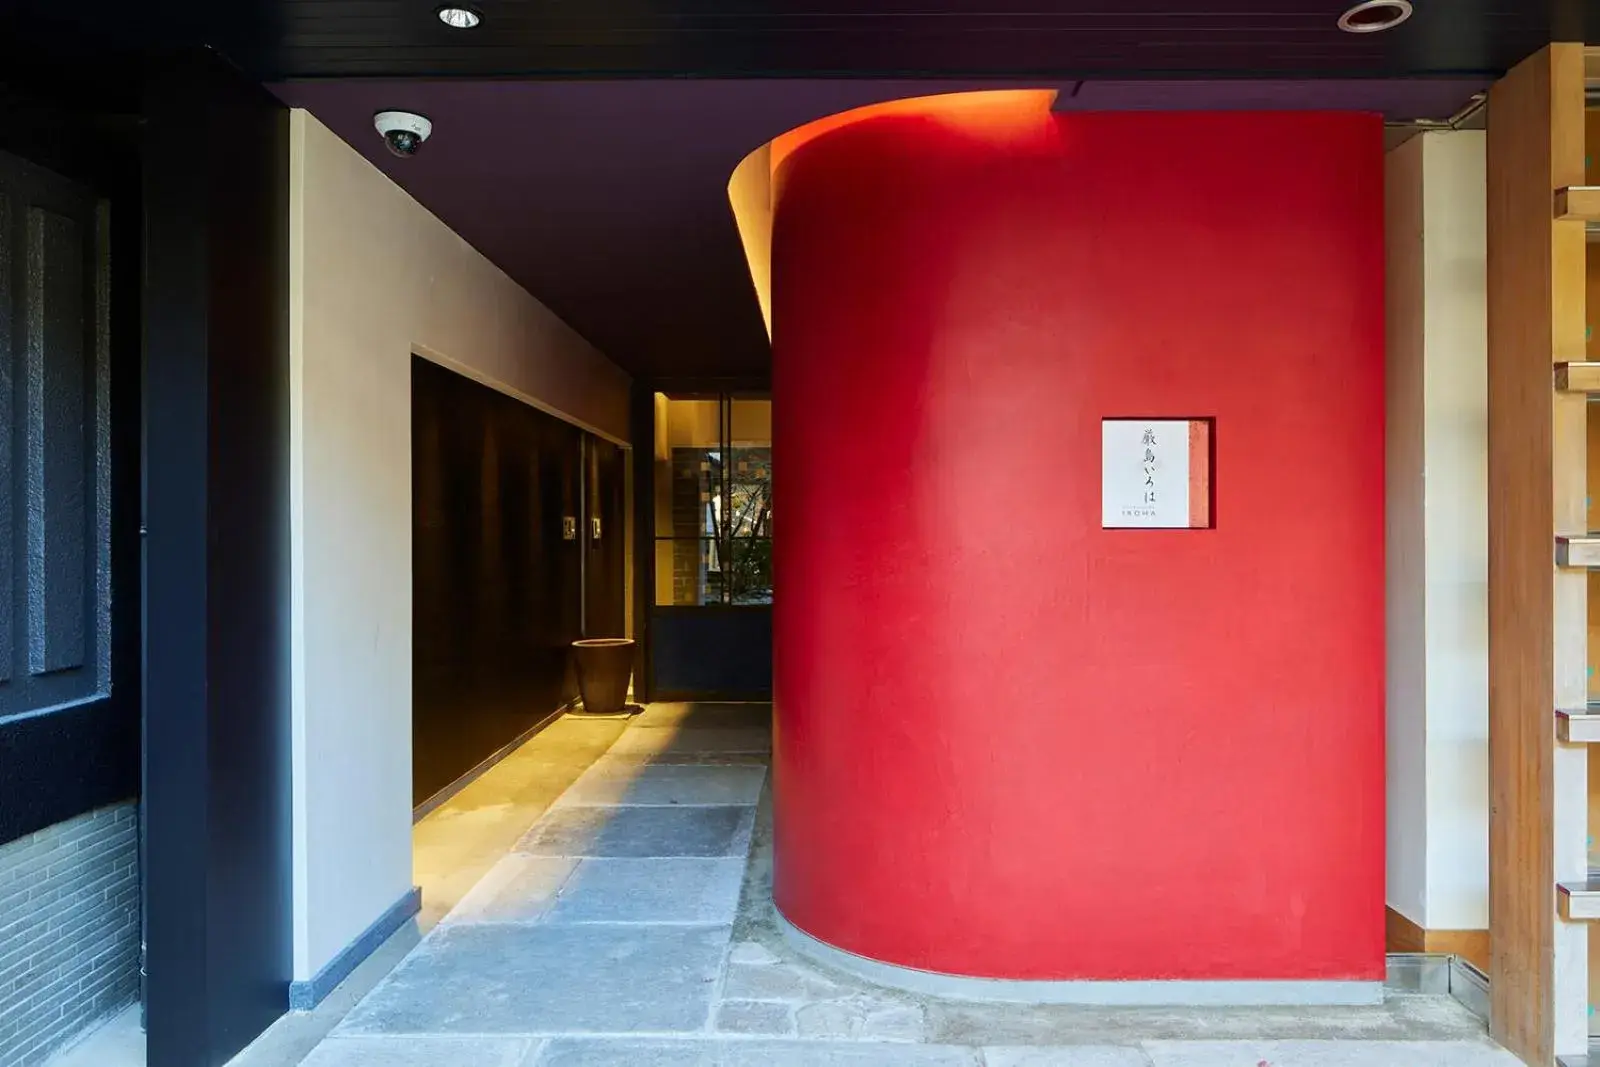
column 216, row 728
column 642, row 431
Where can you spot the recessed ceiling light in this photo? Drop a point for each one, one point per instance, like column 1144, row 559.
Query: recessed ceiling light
column 459, row 18
column 1375, row 16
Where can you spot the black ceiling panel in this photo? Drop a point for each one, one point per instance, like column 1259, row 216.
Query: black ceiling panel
column 808, row 38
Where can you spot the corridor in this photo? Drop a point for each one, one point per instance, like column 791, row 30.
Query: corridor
column 631, row 925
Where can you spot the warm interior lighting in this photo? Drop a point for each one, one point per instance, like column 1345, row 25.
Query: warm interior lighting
column 995, row 113
column 750, row 194
column 1375, row 16
column 459, row 18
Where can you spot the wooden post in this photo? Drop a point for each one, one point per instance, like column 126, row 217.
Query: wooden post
column 1538, row 613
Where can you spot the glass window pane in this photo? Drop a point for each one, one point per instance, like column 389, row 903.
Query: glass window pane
column 688, row 468
column 689, row 572
column 750, row 469
column 748, row 575
column 713, row 500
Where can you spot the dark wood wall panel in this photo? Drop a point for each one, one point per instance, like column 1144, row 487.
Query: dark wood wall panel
column 1537, row 454
column 605, row 581
column 497, row 593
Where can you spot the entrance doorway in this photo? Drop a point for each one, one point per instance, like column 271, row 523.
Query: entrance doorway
column 711, row 510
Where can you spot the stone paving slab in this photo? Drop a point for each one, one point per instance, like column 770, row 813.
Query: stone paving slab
column 626, row 781
column 750, row 1053
column 1404, row 1019
column 1328, row 1054
column 641, row 832
column 778, row 980
column 844, row 1054
column 544, row 979
column 422, row 1052
column 520, row 888
column 1068, row 1056
column 684, row 715
column 762, row 1018
column 702, row 759
column 664, row 890
column 693, row 740
column 564, row 1052
column 861, row 1017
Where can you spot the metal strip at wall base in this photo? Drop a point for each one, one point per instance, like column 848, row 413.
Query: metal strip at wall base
column 1439, row 974
column 443, row 796
column 306, row 994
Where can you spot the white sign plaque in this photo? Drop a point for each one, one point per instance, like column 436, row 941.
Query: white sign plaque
column 1155, row 473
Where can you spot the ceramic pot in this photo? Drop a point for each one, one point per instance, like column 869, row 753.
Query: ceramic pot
column 604, row 666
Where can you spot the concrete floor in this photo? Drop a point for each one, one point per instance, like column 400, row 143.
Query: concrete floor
column 602, row 897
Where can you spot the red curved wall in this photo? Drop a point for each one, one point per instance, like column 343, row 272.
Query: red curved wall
column 1013, row 744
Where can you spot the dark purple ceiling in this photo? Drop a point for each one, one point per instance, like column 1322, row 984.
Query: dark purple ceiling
column 607, row 200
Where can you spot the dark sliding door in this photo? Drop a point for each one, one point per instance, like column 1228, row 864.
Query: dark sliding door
column 497, row 557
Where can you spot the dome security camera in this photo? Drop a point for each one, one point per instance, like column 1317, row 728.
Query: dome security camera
column 403, row 131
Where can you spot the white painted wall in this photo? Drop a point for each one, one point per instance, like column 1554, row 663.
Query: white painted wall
column 1438, row 719
column 374, row 279
column 1404, row 514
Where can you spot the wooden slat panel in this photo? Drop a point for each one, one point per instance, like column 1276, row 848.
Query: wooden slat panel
column 1592, row 252
column 1470, row 945
column 1578, row 551
column 1592, row 353
column 1571, row 804
column 1592, row 177
column 1580, row 727
column 1578, row 377
column 1403, row 935
column 1579, row 901
column 1537, row 612
column 1400, row 934
column 1579, row 202
column 1593, row 523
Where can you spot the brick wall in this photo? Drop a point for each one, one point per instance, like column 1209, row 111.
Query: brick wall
column 69, row 930
column 691, row 492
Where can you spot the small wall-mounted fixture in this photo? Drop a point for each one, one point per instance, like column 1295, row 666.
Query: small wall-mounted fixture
column 594, row 527
column 1375, row 16
column 569, row 528
column 459, row 17
column 403, row 131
